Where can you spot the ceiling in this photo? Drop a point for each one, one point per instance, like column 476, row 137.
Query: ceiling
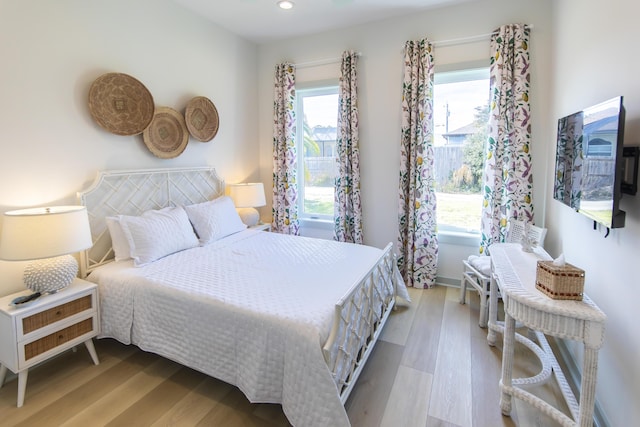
column 262, row 21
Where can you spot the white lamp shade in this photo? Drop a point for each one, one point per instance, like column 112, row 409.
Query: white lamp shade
column 247, row 195
column 38, row 233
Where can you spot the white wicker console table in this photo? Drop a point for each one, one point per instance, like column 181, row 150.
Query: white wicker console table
column 513, row 274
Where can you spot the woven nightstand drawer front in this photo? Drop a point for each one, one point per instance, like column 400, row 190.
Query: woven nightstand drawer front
column 42, row 319
column 60, row 337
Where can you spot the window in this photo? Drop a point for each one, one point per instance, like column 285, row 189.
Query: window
column 599, row 147
column 461, row 111
column 316, row 133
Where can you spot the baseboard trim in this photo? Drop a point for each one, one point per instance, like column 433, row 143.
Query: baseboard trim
column 447, row 281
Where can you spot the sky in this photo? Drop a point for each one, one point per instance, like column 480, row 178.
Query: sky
column 321, row 110
column 462, row 99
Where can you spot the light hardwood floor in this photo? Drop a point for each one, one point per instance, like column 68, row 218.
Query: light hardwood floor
column 431, row 367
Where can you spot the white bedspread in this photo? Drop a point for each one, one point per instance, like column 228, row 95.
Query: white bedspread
column 253, row 309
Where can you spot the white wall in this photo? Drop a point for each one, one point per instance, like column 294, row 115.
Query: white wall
column 380, row 81
column 51, row 52
column 596, row 58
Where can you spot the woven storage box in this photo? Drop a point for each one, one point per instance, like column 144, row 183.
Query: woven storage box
column 560, row 282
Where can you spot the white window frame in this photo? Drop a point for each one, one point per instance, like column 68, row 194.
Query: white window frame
column 457, row 74
column 310, row 89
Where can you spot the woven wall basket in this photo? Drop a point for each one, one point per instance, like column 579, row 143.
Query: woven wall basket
column 202, row 118
column 167, row 136
column 120, row 104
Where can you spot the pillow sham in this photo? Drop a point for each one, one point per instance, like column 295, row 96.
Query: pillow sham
column 156, row 234
column 215, row 219
column 119, row 242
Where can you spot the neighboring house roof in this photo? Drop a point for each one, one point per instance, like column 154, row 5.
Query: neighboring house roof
column 324, row 133
column 464, row 130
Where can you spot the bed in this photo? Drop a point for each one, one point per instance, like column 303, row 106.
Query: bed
column 286, row 319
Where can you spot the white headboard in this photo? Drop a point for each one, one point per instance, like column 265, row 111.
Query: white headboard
column 132, row 192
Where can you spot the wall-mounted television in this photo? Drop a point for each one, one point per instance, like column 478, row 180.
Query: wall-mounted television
column 588, row 171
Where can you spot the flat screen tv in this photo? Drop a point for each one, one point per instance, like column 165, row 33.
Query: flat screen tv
column 588, row 171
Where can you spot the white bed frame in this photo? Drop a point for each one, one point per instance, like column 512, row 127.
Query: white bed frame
column 359, row 315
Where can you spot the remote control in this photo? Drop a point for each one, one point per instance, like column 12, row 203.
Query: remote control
column 25, row 298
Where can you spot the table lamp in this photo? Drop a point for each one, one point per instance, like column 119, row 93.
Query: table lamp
column 246, row 197
column 46, row 236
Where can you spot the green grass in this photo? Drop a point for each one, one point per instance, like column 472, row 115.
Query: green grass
column 318, row 207
column 318, row 200
column 457, row 210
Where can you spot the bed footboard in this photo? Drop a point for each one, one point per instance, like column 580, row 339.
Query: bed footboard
column 358, row 320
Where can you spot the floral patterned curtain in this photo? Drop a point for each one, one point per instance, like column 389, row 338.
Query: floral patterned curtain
column 508, row 181
column 569, row 159
column 347, row 207
column 417, row 240
column 285, row 188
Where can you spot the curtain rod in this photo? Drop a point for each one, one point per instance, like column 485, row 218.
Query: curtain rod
column 320, row 62
column 462, row 40
column 466, row 40
column 440, row 43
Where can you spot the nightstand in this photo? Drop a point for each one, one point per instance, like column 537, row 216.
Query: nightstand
column 261, row 227
column 46, row 327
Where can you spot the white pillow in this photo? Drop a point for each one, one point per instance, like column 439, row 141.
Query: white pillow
column 481, row 263
column 156, row 234
column 215, row 219
column 119, row 242
column 118, row 239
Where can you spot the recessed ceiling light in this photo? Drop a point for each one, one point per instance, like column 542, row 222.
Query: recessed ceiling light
column 285, row 4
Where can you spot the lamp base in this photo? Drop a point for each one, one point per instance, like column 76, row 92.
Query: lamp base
column 249, row 216
column 49, row 275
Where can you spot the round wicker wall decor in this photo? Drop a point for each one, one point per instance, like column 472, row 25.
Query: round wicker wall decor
column 202, row 118
column 167, row 136
column 120, row 104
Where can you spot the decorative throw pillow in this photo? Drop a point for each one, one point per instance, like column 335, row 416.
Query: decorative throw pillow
column 215, row 219
column 156, row 234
